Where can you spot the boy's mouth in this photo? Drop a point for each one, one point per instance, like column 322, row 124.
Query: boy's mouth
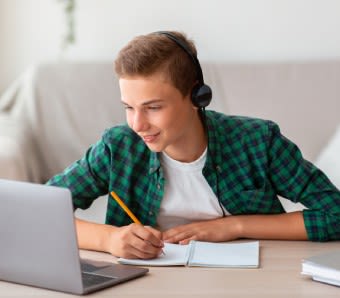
column 150, row 138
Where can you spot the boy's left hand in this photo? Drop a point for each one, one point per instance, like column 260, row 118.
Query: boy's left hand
column 217, row 230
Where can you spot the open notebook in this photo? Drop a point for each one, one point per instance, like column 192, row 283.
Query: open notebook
column 204, row 254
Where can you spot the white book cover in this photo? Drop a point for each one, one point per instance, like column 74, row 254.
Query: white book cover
column 323, row 267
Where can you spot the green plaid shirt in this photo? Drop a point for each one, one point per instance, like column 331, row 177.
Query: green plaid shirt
column 249, row 163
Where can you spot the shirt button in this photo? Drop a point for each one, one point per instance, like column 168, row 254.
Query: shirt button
column 218, row 168
column 150, row 213
column 158, row 186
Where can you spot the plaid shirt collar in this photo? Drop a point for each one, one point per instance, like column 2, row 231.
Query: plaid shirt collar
column 154, row 163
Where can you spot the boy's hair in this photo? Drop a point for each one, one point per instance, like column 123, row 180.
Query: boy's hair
column 154, row 53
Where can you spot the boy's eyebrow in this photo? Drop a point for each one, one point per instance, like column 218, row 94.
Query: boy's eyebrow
column 152, row 101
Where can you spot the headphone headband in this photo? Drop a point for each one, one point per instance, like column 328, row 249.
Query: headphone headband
column 191, row 55
column 201, row 93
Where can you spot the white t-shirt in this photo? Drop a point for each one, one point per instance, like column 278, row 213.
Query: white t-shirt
column 187, row 195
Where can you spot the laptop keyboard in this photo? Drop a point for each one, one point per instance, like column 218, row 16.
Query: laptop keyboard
column 92, row 279
column 87, row 267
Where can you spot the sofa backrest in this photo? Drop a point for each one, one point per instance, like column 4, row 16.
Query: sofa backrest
column 303, row 98
column 75, row 103
column 63, row 108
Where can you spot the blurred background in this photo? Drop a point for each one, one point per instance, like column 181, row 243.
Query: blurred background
column 33, row 31
column 274, row 59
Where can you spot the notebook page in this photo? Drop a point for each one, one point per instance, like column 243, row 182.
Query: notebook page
column 238, row 255
column 175, row 255
column 327, row 280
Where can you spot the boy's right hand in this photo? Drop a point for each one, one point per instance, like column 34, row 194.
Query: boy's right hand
column 134, row 241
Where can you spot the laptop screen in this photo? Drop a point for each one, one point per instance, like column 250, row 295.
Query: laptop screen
column 38, row 238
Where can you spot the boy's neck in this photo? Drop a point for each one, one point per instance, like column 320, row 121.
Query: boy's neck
column 193, row 146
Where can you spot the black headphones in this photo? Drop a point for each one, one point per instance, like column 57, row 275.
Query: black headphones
column 201, row 93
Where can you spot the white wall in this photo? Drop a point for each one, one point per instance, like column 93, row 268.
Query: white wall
column 230, row 30
column 30, row 32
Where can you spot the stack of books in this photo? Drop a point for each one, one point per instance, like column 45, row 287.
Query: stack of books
column 323, row 267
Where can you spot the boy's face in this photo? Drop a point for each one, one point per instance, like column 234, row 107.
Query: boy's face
column 158, row 113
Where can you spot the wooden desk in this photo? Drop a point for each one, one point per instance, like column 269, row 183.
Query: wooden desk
column 278, row 276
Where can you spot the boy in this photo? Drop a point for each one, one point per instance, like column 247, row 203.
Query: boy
column 191, row 174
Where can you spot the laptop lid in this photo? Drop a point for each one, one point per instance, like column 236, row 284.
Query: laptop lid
column 38, row 240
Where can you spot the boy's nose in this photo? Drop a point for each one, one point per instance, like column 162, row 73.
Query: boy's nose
column 139, row 123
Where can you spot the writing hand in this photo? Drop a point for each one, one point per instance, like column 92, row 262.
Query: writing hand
column 135, row 241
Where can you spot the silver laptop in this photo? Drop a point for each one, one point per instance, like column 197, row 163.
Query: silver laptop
column 38, row 244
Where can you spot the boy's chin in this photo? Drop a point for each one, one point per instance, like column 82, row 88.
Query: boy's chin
column 155, row 149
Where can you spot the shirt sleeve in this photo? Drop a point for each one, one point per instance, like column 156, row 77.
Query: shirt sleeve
column 87, row 178
column 300, row 181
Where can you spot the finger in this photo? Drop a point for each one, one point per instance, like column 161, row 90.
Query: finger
column 144, row 249
column 154, row 231
column 135, row 253
column 150, row 235
column 147, row 239
column 179, row 236
column 187, row 240
column 171, row 233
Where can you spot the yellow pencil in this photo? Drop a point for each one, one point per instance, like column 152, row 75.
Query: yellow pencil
column 125, row 208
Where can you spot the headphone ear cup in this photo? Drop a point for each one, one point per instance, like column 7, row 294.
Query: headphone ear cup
column 201, row 96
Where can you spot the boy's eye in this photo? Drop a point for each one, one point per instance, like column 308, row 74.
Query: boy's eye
column 154, row 107
column 127, row 108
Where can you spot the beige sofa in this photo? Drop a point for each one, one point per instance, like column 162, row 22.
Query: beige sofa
column 53, row 112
